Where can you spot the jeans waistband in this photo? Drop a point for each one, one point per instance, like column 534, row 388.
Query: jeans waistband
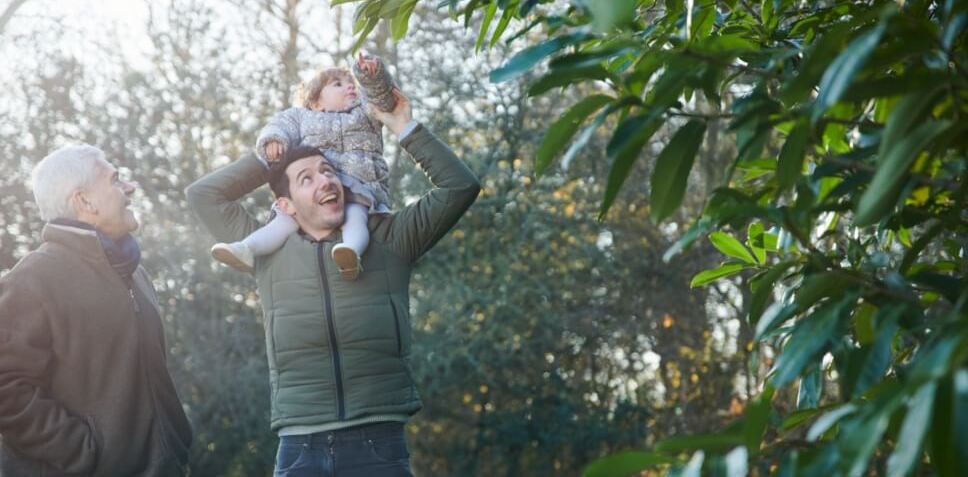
column 349, row 434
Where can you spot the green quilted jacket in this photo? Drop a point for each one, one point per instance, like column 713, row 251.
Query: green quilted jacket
column 339, row 350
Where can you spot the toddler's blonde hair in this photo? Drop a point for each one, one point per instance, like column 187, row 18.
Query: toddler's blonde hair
column 308, row 92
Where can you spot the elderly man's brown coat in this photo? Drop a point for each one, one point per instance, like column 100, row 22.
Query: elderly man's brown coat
column 84, row 387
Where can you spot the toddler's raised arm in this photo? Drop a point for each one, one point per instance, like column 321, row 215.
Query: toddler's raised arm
column 376, row 82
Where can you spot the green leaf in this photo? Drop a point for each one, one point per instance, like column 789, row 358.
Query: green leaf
column 364, row 32
column 709, row 442
column 775, row 315
column 811, row 386
column 671, row 174
column 908, row 450
column 624, row 149
column 485, row 25
column 823, row 51
column 694, row 467
column 818, row 286
column 910, row 111
column 669, row 86
column 559, row 77
column 622, row 464
column 877, row 357
column 947, row 440
column 606, row 16
column 827, row 421
column 797, row 418
column 728, row 245
column 927, row 237
column 723, row 271
column 695, row 231
column 842, row 70
column 564, row 128
column 590, row 57
column 810, row 336
column 884, row 189
column 762, row 287
column 400, row 23
column 959, row 417
column 527, row 58
column 933, row 361
column 501, row 26
column 584, row 136
column 860, row 438
column 757, row 417
column 952, row 29
column 754, row 240
column 391, row 8
column 790, row 164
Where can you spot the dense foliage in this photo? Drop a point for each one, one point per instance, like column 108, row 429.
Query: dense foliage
column 842, row 207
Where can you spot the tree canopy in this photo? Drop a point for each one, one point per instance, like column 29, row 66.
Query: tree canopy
column 842, row 206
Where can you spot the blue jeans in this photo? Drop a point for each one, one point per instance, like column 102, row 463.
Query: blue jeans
column 375, row 450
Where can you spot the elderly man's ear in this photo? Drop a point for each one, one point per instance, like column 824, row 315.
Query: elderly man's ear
column 82, row 204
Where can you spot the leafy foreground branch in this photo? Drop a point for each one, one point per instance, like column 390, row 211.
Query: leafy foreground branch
column 848, row 181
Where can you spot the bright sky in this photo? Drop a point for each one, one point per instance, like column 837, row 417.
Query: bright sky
column 126, row 17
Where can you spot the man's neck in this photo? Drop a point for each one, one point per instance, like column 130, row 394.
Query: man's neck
column 317, row 235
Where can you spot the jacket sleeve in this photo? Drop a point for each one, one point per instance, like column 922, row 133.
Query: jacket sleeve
column 283, row 127
column 377, row 87
column 416, row 228
column 31, row 422
column 215, row 198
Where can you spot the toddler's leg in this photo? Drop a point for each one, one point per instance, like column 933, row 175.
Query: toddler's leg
column 271, row 236
column 241, row 255
column 356, row 237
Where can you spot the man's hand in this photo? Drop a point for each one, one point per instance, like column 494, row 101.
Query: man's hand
column 275, row 150
column 397, row 119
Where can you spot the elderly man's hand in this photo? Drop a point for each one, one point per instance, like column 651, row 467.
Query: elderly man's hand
column 397, row 119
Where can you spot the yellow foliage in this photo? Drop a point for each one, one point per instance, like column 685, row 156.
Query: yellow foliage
column 920, row 196
column 667, row 321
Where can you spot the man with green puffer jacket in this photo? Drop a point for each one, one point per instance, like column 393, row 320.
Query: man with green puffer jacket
column 339, row 351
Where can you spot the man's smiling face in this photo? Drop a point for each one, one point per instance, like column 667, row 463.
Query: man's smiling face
column 315, row 196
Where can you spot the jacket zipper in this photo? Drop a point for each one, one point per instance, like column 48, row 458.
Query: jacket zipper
column 396, row 324
column 333, row 345
column 141, row 361
column 134, row 301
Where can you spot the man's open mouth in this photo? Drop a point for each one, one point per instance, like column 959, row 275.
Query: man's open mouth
column 327, row 198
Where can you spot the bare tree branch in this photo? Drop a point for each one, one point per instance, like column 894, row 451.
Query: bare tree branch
column 8, row 13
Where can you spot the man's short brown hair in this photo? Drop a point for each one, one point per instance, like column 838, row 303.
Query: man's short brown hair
column 278, row 179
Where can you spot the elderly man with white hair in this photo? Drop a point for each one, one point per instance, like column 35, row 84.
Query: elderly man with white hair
column 84, row 386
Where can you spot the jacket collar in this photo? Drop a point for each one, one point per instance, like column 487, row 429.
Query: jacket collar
column 82, row 241
column 336, row 236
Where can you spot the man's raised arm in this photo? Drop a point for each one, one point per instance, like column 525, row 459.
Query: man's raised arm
column 215, row 198
column 417, row 227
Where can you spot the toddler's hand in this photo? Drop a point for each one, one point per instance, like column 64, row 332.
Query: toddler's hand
column 367, row 64
column 275, row 150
